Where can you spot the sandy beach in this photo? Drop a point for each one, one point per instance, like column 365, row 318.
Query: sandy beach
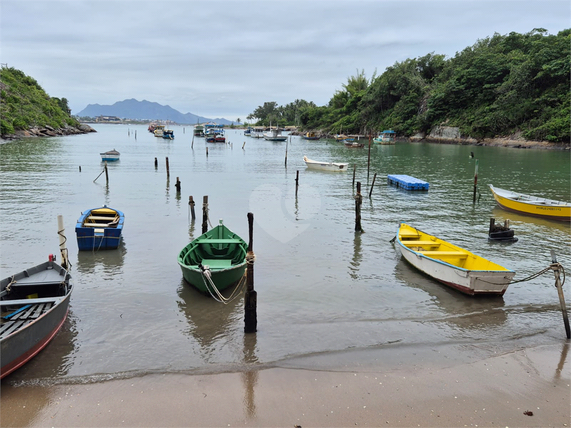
column 526, row 388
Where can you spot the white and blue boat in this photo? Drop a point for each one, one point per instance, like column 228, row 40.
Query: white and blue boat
column 99, row 229
column 110, row 156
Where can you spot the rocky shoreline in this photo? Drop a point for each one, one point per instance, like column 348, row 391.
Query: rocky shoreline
column 48, row 131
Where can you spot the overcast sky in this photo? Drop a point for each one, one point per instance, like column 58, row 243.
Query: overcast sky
column 225, row 58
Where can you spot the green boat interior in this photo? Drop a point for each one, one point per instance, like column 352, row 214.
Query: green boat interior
column 216, row 253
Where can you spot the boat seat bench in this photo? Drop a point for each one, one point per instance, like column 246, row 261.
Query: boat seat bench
column 221, row 241
column 217, row 263
column 96, row 224
column 102, row 217
column 408, row 235
column 444, row 253
column 432, row 243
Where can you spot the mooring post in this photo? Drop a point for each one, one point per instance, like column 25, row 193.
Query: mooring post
column 369, row 158
column 354, row 169
column 156, row 163
column 492, row 224
column 358, row 202
column 556, row 267
column 296, row 182
column 207, row 152
column 191, row 204
column 287, row 142
column 79, row 168
column 177, row 185
column 243, row 145
column 475, row 180
column 167, row 162
column 62, row 239
column 106, row 174
column 251, row 296
column 192, row 144
column 204, row 214
column 372, row 185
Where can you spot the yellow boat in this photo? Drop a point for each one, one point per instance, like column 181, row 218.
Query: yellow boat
column 532, row 205
column 451, row 265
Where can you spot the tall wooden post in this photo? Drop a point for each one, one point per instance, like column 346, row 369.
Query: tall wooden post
column 156, row 163
column 177, row 185
column 251, row 296
column 106, row 174
column 287, row 142
column 62, row 239
column 369, row 158
column 167, row 162
column 358, row 202
column 354, row 169
column 372, row 185
column 204, row 214
column 475, row 180
column 191, row 204
column 555, row 266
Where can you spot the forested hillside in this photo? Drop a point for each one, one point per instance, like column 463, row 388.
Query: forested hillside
column 24, row 105
column 502, row 85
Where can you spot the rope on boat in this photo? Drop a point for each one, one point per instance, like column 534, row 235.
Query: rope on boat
column 553, row 266
column 9, row 286
column 213, row 290
column 205, row 209
column 62, row 250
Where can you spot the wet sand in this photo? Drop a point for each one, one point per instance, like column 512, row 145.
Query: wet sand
column 526, row 388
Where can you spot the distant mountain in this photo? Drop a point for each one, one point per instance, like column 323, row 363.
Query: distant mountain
column 145, row 110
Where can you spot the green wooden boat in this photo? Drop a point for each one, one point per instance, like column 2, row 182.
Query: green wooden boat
column 216, row 258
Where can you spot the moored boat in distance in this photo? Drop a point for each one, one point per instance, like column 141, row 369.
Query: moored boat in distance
column 110, row 156
column 99, row 229
column 451, row 265
column 214, row 261
column 34, row 306
column 257, row 132
column 198, row 131
column 274, row 135
column 158, row 131
column 386, row 137
column 168, row 134
column 353, row 144
column 310, row 136
column 532, row 205
column 325, row 166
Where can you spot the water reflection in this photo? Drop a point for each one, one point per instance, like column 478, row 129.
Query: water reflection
column 111, row 261
column 466, row 312
column 211, row 323
column 250, row 376
column 357, row 256
column 562, row 360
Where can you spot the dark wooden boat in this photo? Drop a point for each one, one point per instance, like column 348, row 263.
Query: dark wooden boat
column 34, row 307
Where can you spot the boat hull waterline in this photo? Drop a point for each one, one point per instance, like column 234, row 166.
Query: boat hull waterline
column 451, row 265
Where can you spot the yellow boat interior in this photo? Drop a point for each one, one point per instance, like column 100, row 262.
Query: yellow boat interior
column 102, row 217
column 437, row 249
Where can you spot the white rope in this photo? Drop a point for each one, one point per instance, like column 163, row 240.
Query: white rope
column 215, row 293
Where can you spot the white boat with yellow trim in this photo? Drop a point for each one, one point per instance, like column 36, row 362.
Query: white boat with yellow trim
column 532, row 205
column 451, row 265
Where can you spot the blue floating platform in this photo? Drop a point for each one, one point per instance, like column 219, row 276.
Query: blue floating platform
column 407, row 182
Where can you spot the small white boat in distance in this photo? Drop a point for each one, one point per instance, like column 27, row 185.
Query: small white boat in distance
column 325, row 166
column 110, row 156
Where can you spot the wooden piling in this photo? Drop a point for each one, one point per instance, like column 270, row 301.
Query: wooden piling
column 358, row 202
column 167, row 163
column 287, row 142
column 243, row 145
column 79, row 168
column 62, row 240
column 354, row 169
column 192, row 144
column 204, row 214
column 106, row 173
column 369, row 158
column 475, row 180
column 191, row 204
column 372, row 185
column 251, row 296
column 556, row 267
column 296, row 182
column 207, row 152
column 177, row 185
column 156, row 163
column 492, row 224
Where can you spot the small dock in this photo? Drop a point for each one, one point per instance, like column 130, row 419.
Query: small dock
column 407, row 182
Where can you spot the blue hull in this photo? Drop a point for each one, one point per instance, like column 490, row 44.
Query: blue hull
column 99, row 232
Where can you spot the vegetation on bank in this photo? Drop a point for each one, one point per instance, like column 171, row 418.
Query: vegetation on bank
column 502, row 85
column 24, row 104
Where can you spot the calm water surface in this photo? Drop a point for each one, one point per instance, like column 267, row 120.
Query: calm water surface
column 322, row 289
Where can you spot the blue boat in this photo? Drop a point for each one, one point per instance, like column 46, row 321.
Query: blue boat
column 99, row 229
column 386, row 137
column 110, row 156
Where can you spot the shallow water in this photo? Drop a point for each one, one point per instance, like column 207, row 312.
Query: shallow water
column 322, row 288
